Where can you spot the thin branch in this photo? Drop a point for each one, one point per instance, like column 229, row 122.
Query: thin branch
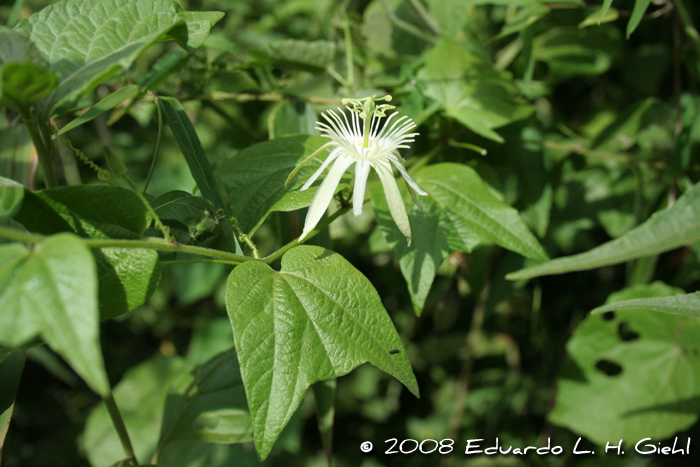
column 120, row 427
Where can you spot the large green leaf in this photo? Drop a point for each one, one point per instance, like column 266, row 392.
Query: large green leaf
column 470, row 90
column 51, row 291
column 201, row 170
column 140, row 396
column 684, row 305
column 460, row 213
column 10, row 374
column 318, row 318
column 23, row 78
column 254, row 178
column 87, row 41
column 670, row 228
column 208, row 405
column 127, row 277
column 630, row 373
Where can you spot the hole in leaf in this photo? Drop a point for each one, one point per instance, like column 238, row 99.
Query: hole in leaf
column 608, row 367
column 626, row 333
column 609, row 315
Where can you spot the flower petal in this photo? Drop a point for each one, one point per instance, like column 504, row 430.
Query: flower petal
column 402, row 170
column 393, row 197
column 325, row 192
column 331, row 157
column 358, row 193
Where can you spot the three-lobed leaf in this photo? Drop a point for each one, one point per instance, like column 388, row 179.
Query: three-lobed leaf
column 52, row 292
column 315, row 319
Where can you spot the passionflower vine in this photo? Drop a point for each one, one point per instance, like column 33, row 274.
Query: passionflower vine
column 367, row 141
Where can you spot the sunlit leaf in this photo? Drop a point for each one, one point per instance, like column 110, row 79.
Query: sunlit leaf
column 318, row 318
column 86, row 42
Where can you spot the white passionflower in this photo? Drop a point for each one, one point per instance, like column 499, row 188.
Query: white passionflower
column 367, row 142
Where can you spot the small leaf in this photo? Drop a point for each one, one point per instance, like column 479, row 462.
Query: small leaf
column 684, row 305
column 209, row 405
column 108, row 103
column 11, row 195
column 199, row 24
column 604, row 11
column 303, row 55
column 201, row 170
column 318, row 318
column 667, row 229
column 632, row 370
column 470, row 90
column 192, row 219
column 254, row 178
column 52, row 292
column 140, row 396
column 86, row 42
column 597, row 18
column 640, row 7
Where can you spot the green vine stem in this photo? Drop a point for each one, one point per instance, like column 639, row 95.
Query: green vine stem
column 150, row 244
column 687, row 21
column 120, row 427
column 44, row 149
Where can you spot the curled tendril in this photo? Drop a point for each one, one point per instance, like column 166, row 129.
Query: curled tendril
column 103, row 175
